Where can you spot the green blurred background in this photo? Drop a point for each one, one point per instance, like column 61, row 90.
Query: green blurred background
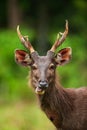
column 41, row 20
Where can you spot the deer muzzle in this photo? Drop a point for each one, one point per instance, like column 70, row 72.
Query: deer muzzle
column 41, row 87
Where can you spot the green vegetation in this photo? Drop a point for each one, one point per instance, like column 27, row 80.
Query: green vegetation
column 23, row 116
column 18, row 109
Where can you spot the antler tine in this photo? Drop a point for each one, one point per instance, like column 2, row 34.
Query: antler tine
column 25, row 41
column 60, row 38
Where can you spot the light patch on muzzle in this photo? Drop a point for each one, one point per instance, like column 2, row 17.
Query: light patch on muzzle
column 39, row 91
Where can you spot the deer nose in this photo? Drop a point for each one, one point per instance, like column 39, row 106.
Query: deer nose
column 43, row 84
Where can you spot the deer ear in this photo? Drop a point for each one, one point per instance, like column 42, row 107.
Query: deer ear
column 63, row 56
column 23, row 58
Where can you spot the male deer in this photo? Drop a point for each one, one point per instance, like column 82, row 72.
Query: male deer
column 66, row 108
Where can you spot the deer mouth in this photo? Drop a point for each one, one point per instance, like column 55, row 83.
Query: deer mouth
column 39, row 91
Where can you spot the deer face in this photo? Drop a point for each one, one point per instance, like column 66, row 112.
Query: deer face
column 42, row 73
column 42, row 67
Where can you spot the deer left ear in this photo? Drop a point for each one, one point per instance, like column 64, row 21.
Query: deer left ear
column 23, row 58
column 63, row 56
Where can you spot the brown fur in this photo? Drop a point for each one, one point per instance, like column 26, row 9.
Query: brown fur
column 66, row 108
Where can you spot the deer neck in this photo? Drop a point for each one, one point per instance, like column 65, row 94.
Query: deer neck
column 56, row 99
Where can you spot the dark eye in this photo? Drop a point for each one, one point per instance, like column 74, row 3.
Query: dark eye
column 34, row 67
column 52, row 66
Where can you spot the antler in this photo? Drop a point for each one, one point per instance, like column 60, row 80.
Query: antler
column 25, row 41
column 60, row 38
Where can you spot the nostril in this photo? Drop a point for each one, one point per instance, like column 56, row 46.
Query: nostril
column 43, row 84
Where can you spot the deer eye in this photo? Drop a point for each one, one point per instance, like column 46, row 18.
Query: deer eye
column 52, row 66
column 34, row 67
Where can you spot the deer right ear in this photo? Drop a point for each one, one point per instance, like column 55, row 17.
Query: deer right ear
column 63, row 56
column 23, row 58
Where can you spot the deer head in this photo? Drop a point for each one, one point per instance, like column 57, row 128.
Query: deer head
column 43, row 67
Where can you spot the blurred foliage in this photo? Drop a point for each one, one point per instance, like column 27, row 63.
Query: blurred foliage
column 13, row 81
column 13, row 78
column 42, row 21
column 26, row 115
column 23, row 116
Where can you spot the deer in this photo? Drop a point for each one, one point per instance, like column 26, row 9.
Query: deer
column 66, row 108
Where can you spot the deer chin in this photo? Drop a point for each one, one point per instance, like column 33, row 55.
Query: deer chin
column 39, row 91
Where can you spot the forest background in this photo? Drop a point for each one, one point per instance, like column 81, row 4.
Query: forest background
column 41, row 21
